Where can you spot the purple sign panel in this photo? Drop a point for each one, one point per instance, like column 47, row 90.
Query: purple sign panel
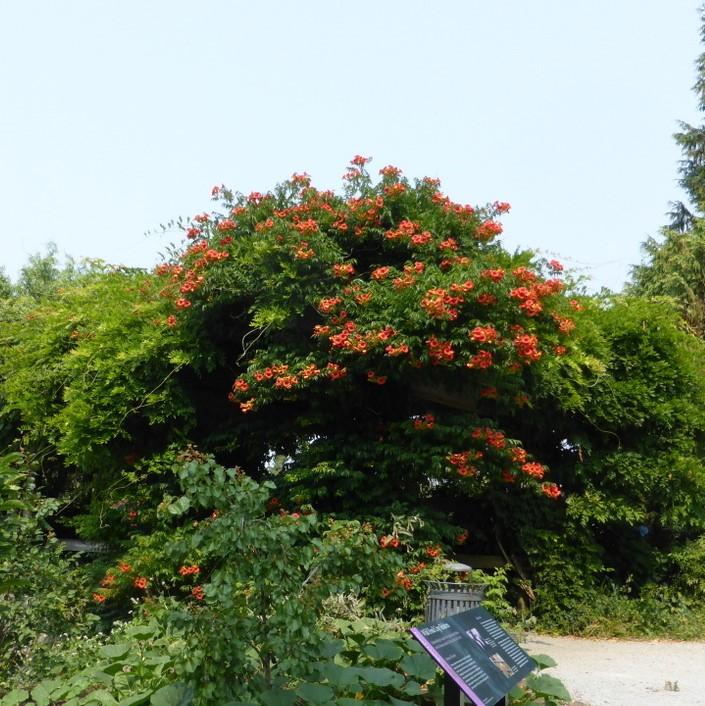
column 476, row 653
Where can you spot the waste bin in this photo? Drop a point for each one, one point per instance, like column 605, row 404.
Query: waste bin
column 450, row 597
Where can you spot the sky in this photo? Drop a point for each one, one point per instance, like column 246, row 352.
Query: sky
column 119, row 116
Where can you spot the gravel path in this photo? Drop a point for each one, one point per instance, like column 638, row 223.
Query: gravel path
column 626, row 672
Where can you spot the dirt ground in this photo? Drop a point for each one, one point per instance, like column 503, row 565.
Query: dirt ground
column 625, row 672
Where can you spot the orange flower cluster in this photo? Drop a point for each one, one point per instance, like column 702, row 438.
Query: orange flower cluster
column 420, row 239
column 461, row 461
column 344, row 270
column 335, row 371
column 565, row 325
column 191, row 570
column 409, row 276
column 535, row 470
column 380, row 273
column 404, row 581
column 551, row 490
column 388, row 540
column 376, row 379
column 306, row 227
column 492, row 437
column 484, row 334
column 496, row 275
column 439, row 304
column 303, row 252
column 404, row 230
column 518, row 454
column 488, row 229
column 487, row 299
column 481, row 360
column 286, row 382
column 247, row 406
column 440, row 351
column 531, row 307
column 526, row 346
column 394, row 190
column 394, row 351
column 326, row 305
column 448, row 244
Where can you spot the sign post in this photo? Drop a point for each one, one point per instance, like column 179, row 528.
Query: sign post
column 479, row 659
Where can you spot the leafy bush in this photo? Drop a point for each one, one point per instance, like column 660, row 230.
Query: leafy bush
column 43, row 595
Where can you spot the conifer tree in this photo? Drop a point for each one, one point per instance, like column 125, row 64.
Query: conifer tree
column 675, row 262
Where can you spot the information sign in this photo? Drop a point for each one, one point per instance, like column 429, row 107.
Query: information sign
column 476, row 653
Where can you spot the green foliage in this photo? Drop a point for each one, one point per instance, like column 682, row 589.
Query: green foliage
column 88, row 368
column 541, row 689
column 378, row 356
column 629, row 459
column 268, row 576
column 674, row 270
column 43, row 595
column 139, row 665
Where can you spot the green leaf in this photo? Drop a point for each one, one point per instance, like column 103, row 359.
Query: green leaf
column 180, row 506
column 332, row 648
column 176, row 694
column 381, row 676
column 114, row 651
column 315, row 693
column 341, row 677
column 101, row 696
column 14, row 697
column 546, row 685
column 544, row 661
column 420, row 666
column 135, row 700
column 412, row 688
column 384, row 650
column 278, row 697
column 516, row 693
column 41, row 695
column 141, row 632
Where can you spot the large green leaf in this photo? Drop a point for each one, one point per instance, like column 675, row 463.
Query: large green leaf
column 278, row 697
column 339, row 676
column 114, row 651
column 547, row 685
column 135, row 700
column 101, row 696
column 381, row 676
column 315, row 693
column 544, row 661
column 172, row 695
column 14, row 697
column 420, row 666
column 385, row 650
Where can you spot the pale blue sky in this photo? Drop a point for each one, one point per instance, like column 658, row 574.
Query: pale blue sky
column 117, row 116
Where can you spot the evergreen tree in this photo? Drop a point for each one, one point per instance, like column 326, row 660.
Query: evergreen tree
column 675, row 263
column 691, row 140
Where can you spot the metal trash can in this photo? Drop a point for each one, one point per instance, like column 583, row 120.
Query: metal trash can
column 449, row 597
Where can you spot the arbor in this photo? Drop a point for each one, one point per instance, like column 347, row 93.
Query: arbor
column 371, row 347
